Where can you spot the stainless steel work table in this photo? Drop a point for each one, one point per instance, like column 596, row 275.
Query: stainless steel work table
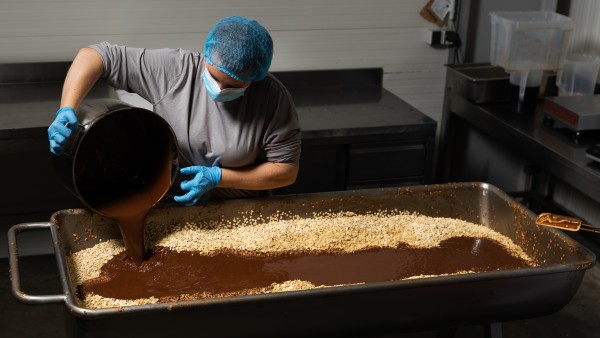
column 551, row 154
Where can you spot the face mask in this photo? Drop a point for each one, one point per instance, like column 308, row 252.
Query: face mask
column 218, row 94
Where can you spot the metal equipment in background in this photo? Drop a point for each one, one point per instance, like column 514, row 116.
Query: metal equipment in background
column 579, row 113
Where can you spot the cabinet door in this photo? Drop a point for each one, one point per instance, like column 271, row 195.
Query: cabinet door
column 386, row 164
column 322, row 168
column 29, row 183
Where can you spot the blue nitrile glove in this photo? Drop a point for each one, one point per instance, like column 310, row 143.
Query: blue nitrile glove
column 205, row 179
column 59, row 130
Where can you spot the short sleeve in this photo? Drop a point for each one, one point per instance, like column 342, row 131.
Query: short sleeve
column 282, row 142
column 146, row 72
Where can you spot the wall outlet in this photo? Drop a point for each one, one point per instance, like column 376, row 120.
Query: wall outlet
column 435, row 37
column 438, row 37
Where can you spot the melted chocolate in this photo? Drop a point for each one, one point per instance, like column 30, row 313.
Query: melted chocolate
column 130, row 212
column 168, row 273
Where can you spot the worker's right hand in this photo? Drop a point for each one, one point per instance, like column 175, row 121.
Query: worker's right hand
column 59, row 131
column 203, row 180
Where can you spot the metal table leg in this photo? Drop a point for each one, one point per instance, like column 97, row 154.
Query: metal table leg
column 493, row 330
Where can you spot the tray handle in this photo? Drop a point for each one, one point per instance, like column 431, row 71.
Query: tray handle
column 13, row 255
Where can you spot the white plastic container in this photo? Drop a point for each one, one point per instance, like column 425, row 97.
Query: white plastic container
column 578, row 77
column 526, row 44
column 526, row 41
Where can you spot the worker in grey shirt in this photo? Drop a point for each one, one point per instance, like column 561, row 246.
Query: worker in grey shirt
column 235, row 123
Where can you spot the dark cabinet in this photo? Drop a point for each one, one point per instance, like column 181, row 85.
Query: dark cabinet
column 320, row 170
column 363, row 164
column 356, row 134
column 29, row 182
column 387, row 163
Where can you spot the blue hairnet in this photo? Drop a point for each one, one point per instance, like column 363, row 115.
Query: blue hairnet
column 239, row 47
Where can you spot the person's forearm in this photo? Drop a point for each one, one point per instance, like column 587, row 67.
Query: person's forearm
column 261, row 177
column 83, row 74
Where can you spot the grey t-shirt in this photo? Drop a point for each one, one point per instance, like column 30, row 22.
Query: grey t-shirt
column 261, row 126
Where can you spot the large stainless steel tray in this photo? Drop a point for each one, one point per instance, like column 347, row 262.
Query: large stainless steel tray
column 354, row 310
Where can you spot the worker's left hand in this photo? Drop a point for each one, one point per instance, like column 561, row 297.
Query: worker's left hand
column 63, row 126
column 204, row 179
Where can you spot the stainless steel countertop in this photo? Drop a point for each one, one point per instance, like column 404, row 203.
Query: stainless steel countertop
column 359, row 112
column 554, row 149
column 33, row 105
column 330, row 113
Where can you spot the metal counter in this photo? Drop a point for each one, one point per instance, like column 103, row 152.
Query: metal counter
column 558, row 177
column 553, row 150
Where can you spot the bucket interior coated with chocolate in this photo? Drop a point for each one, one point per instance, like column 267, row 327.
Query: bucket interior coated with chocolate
column 117, row 150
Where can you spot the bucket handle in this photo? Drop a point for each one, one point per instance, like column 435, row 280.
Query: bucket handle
column 13, row 255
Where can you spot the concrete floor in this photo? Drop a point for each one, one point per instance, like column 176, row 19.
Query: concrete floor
column 578, row 319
